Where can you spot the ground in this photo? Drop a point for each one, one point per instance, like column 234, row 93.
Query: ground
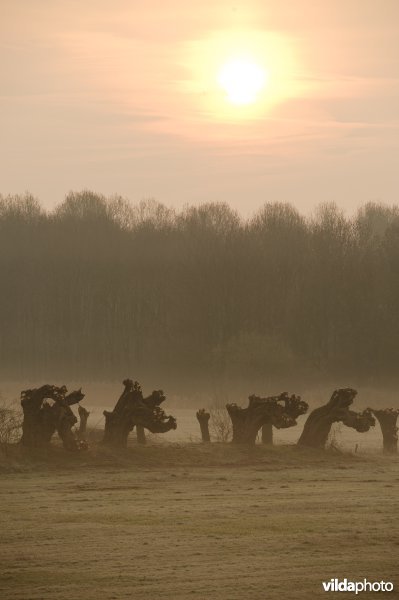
column 180, row 521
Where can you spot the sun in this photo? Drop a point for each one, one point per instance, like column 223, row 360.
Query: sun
column 239, row 75
column 242, row 80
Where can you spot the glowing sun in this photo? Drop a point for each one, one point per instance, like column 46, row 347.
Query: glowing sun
column 242, row 80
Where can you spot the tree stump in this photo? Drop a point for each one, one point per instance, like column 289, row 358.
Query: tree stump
column 387, row 419
column 42, row 419
column 318, row 425
column 203, row 419
column 278, row 411
column 132, row 410
column 83, row 416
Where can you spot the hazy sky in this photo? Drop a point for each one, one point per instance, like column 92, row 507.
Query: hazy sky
column 123, row 97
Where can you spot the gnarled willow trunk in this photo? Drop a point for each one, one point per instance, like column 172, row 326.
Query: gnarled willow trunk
column 278, row 411
column 203, row 419
column 133, row 410
column 267, row 433
column 387, row 419
column 83, row 416
column 318, row 425
column 42, row 418
column 140, row 433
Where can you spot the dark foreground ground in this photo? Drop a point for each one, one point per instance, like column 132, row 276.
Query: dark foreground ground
column 191, row 521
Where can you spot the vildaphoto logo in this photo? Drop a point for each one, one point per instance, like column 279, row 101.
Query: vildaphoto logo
column 345, row 585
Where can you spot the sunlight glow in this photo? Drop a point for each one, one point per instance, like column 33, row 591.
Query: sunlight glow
column 242, row 80
column 239, row 75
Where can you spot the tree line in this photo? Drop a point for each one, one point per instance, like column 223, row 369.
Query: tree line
column 99, row 287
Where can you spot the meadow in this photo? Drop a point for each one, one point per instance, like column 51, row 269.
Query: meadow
column 180, row 520
column 177, row 518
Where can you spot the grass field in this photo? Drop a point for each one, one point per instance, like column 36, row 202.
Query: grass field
column 179, row 521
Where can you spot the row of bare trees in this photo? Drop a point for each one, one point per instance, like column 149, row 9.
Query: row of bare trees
column 98, row 287
column 47, row 410
column 283, row 411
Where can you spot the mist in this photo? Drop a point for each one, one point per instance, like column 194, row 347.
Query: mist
column 98, row 288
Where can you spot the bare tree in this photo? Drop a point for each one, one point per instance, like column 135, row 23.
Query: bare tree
column 83, row 417
column 203, row 419
column 280, row 411
column 220, row 423
column 10, row 424
column 133, row 409
column 318, row 424
column 387, row 419
column 43, row 418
